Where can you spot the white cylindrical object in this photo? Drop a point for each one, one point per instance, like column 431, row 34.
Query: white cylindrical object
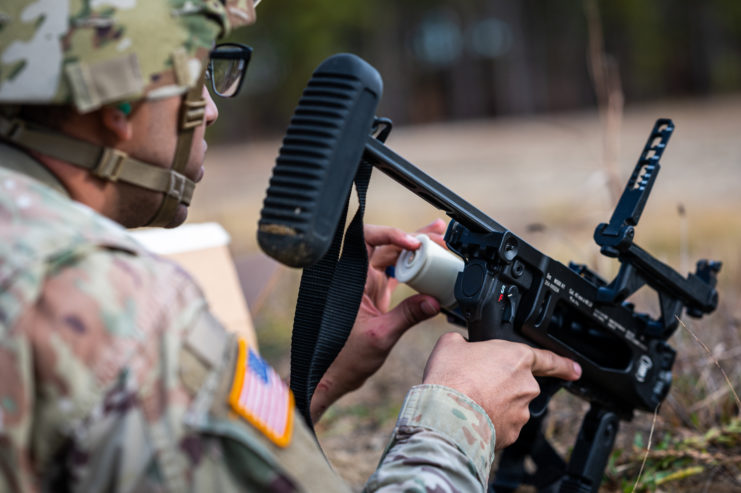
column 431, row 269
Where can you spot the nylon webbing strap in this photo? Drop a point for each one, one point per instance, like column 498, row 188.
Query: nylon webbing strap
column 104, row 162
column 192, row 115
column 328, row 300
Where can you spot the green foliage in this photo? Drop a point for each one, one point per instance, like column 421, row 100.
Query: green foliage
column 678, row 460
column 297, row 38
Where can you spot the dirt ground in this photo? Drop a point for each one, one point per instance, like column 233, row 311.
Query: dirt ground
column 544, row 170
column 514, row 169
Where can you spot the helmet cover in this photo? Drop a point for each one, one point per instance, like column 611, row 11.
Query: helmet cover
column 89, row 53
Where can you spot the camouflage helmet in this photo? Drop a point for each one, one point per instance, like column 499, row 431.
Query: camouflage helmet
column 89, row 53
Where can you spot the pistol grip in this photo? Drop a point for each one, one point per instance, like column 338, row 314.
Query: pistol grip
column 548, row 387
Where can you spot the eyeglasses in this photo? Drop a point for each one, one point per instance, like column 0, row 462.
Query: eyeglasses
column 226, row 68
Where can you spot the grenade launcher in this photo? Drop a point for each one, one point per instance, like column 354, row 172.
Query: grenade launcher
column 507, row 288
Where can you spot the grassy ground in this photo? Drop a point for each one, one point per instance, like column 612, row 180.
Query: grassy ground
column 544, row 178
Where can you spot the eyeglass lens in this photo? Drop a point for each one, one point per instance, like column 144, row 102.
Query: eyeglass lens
column 226, row 76
column 227, row 67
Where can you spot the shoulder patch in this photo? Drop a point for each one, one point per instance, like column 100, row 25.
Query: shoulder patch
column 260, row 396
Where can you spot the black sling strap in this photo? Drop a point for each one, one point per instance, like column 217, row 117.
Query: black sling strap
column 328, row 300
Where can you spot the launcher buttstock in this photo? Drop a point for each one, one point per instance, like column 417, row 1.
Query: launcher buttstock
column 318, row 160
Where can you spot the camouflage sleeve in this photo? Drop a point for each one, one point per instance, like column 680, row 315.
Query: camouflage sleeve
column 128, row 381
column 442, row 442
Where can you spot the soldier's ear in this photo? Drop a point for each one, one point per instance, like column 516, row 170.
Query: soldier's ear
column 115, row 120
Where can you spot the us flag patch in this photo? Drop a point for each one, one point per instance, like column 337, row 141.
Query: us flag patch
column 261, row 397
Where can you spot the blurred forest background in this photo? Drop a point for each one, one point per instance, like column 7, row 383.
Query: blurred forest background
column 534, row 111
column 445, row 60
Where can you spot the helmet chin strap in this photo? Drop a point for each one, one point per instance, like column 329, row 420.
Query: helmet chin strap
column 192, row 116
column 112, row 164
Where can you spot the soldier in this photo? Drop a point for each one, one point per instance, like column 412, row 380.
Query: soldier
column 115, row 376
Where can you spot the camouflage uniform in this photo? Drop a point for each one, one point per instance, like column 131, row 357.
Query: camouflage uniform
column 115, row 376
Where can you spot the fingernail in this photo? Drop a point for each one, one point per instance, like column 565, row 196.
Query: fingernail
column 577, row 369
column 428, row 308
column 413, row 239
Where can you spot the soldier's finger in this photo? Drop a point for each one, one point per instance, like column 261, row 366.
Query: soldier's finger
column 435, row 231
column 435, row 227
column 385, row 235
column 549, row 364
column 410, row 312
column 385, row 255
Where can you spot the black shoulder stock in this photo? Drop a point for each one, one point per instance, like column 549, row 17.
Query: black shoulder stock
column 318, row 160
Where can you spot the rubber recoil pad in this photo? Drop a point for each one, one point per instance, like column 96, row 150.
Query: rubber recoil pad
column 318, row 160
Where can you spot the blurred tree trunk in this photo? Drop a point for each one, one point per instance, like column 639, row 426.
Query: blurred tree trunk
column 387, row 47
column 467, row 92
column 513, row 78
column 606, row 79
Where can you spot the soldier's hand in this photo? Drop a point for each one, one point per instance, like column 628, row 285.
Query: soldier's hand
column 376, row 329
column 498, row 375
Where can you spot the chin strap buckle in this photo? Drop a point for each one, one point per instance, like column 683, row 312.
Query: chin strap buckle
column 176, row 188
column 110, row 164
column 193, row 113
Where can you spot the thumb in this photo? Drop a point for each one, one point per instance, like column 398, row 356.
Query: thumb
column 410, row 312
